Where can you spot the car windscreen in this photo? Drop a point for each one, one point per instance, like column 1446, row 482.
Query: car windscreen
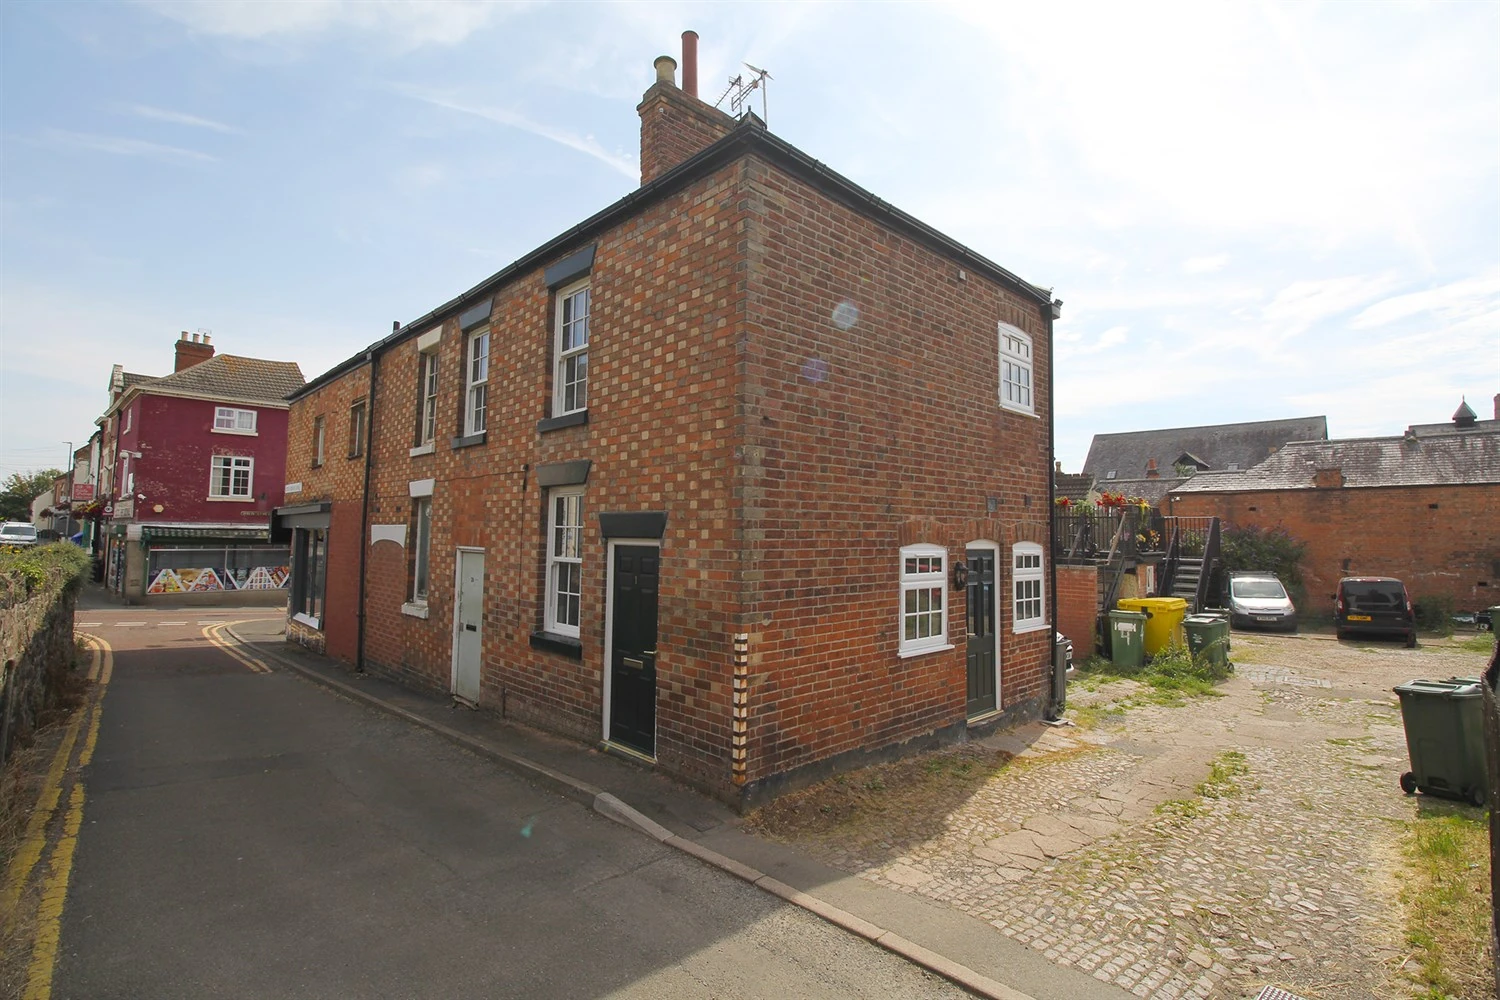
column 1373, row 596
column 18, row 531
column 1257, row 586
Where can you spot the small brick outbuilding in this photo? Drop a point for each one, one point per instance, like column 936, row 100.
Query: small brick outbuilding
column 748, row 475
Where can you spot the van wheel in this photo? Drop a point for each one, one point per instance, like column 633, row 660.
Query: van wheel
column 1408, row 783
column 1411, row 641
column 1476, row 796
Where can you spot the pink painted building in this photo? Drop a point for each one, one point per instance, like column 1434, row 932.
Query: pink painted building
column 191, row 468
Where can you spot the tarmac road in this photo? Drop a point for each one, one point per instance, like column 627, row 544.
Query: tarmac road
column 248, row 834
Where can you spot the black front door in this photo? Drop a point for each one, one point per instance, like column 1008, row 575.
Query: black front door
column 981, row 648
column 632, row 668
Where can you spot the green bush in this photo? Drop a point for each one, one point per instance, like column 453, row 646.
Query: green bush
column 26, row 570
column 1434, row 614
column 1253, row 548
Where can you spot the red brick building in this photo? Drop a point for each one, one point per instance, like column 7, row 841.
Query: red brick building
column 191, row 468
column 1422, row 507
column 746, row 475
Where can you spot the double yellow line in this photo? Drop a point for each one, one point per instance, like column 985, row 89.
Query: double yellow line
column 34, row 841
column 54, row 890
column 215, row 634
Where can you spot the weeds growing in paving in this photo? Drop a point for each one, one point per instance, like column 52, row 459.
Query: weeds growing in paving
column 1168, row 679
column 1447, row 900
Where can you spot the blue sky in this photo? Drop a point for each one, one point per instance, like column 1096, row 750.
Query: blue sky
column 1250, row 210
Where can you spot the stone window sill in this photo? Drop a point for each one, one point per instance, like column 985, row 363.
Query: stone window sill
column 414, row 610
column 563, row 645
column 468, row 441
column 566, row 420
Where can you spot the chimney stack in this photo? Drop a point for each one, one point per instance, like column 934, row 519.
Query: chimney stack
column 193, row 351
column 1151, row 470
column 690, row 63
column 675, row 124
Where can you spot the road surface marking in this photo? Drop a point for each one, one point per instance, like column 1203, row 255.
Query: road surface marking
column 54, row 894
column 87, row 624
column 131, row 624
column 159, row 624
column 215, row 635
column 55, row 886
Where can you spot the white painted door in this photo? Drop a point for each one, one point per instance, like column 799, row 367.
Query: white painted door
column 468, row 625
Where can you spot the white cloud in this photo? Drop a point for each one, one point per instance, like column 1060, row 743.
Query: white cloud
column 1205, row 265
column 179, row 118
column 121, row 146
column 1303, row 303
column 408, row 23
column 585, row 144
column 1460, row 299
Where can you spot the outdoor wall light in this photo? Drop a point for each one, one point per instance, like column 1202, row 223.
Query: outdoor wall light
column 960, row 574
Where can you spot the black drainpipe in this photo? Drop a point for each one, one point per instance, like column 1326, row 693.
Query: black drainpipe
column 1053, row 312
column 364, row 501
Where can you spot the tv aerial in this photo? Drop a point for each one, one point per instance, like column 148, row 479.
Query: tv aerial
column 740, row 90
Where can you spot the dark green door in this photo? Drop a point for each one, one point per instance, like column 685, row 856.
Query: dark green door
column 632, row 668
column 981, row 646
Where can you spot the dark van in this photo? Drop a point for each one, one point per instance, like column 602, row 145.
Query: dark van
column 1374, row 604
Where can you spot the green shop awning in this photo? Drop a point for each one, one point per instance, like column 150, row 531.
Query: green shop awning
column 155, row 533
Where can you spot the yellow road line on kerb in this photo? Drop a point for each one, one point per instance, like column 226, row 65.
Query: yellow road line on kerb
column 55, row 887
column 215, row 635
column 54, row 895
column 34, row 840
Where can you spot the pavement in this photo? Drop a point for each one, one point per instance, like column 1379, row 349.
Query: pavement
column 968, row 951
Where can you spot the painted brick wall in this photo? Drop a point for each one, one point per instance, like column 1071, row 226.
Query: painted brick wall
column 870, row 398
column 1077, row 604
column 1441, row 541
column 177, row 443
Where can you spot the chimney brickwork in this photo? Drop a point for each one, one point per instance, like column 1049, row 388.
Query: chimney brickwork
column 674, row 124
column 192, row 352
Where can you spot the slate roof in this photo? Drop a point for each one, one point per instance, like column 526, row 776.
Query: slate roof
column 229, row 376
column 1458, row 458
column 1218, row 446
column 1149, row 490
column 1073, row 485
column 129, row 379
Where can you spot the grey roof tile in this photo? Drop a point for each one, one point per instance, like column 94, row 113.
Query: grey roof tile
column 1467, row 457
column 1218, row 446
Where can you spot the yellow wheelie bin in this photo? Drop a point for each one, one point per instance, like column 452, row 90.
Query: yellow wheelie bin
column 1164, row 617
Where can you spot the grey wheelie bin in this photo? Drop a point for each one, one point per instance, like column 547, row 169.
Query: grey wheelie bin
column 1445, row 738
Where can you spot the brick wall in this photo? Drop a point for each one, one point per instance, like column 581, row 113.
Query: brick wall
column 339, row 480
column 1077, row 607
column 802, row 392
column 870, row 398
column 674, row 126
column 1440, row 540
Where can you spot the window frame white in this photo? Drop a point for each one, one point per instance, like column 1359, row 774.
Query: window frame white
column 564, row 325
column 358, row 414
column 917, row 576
column 235, row 417
column 421, row 552
column 476, row 382
column 1032, row 578
column 427, row 396
column 231, row 463
column 1017, row 360
column 563, row 558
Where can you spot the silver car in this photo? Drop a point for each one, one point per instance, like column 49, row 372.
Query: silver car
column 17, row 533
column 1258, row 600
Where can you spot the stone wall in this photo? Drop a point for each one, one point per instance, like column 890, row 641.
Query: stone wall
column 36, row 648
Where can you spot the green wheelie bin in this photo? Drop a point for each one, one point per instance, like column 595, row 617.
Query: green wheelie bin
column 1127, row 637
column 1208, row 636
column 1445, row 738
